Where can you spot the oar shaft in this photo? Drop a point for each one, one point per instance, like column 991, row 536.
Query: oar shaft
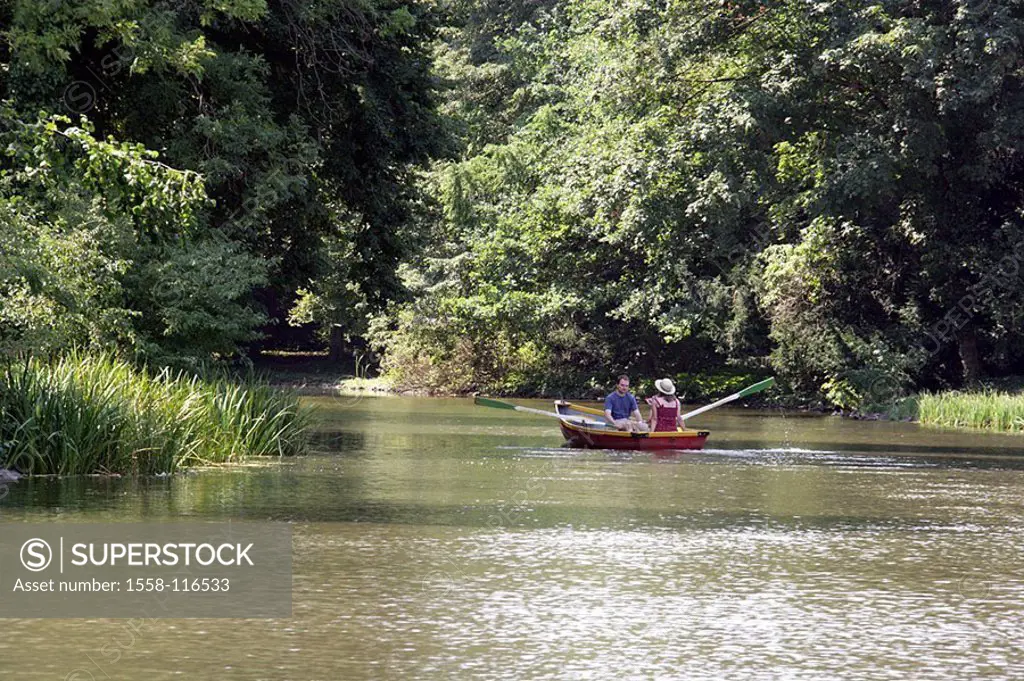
column 573, row 419
column 756, row 388
column 530, row 410
column 719, row 403
column 498, row 404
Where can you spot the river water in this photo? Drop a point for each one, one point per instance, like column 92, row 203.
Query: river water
column 438, row 540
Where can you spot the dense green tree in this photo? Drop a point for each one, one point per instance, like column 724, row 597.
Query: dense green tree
column 833, row 187
column 899, row 189
column 564, row 244
column 304, row 118
column 93, row 233
column 829, row 189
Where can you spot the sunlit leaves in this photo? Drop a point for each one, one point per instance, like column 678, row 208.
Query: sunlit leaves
column 794, row 179
column 102, row 248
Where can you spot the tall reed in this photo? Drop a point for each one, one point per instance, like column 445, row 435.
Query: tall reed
column 94, row 413
column 991, row 410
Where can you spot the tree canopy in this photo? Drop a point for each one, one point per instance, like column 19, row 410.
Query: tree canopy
column 833, row 188
column 525, row 196
column 305, row 120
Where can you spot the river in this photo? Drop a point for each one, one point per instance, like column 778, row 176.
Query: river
column 438, row 540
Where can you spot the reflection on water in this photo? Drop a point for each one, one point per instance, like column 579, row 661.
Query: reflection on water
column 434, row 539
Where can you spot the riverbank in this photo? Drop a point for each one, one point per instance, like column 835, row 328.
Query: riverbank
column 84, row 414
column 1000, row 410
column 984, row 409
column 313, row 373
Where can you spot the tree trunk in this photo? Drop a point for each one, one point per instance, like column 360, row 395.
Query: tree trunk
column 337, row 344
column 969, row 357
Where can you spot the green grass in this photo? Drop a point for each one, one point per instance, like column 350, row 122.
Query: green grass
column 990, row 410
column 97, row 414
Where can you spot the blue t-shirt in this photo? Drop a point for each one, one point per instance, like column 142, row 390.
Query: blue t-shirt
column 621, row 406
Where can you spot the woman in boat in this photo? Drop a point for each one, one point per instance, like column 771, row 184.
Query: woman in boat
column 665, row 414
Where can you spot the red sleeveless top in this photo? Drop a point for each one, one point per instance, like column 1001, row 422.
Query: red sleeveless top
column 666, row 412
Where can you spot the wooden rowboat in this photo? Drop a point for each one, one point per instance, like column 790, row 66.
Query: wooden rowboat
column 587, row 427
column 580, row 434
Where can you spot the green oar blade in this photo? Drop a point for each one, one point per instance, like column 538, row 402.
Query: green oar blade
column 758, row 387
column 497, row 404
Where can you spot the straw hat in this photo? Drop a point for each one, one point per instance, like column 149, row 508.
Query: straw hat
column 664, row 385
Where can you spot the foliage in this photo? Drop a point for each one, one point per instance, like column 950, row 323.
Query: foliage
column 195, row 298
column 59, row 283
column 526, row 196
column 707, row 386
column 301, row 120
column 694, row 183
column 91, row 413
column 898, row 141
column 102, row 248
column 572, row 239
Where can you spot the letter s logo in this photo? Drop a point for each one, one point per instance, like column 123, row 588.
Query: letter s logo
column 36, row 555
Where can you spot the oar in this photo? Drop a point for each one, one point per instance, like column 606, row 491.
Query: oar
column 498, row 404
column 756, row 388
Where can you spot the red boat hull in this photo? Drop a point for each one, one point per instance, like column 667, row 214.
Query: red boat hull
column 589, row 438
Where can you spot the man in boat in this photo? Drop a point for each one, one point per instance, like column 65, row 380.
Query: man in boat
column 621, row 409
column 665, row 414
